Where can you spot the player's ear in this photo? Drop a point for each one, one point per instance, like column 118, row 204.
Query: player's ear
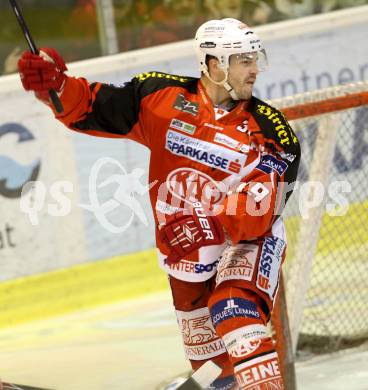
column 210, row 64
column 214, row 64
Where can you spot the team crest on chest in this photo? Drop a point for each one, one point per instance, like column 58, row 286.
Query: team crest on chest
column 184, row 105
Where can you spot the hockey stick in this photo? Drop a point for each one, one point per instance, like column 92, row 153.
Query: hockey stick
column 202, row 378
column 14, row 386
column 18, row 13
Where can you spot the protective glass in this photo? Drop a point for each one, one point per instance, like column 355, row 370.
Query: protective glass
column 257, row 57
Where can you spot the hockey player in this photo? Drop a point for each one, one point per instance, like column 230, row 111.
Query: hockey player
column 224, row 162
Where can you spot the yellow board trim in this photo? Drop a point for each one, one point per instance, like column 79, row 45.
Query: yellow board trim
column 83, row 286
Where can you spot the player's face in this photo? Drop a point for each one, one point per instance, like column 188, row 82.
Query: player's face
column 243, row 71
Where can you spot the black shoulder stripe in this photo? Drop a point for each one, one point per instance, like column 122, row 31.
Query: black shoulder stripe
column 274, row 125
column 151, row 82
column 115, row 110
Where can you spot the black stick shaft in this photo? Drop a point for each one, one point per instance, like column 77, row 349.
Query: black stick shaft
column 18, row 13
column 15, row 386
column 24, row 27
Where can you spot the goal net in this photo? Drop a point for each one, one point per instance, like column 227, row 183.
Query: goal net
column 325, row 274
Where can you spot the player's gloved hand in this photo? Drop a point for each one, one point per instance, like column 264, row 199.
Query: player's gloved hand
column 42, row 72
column 184, row 234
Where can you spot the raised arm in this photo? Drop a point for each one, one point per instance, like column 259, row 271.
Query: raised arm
column 91, row 108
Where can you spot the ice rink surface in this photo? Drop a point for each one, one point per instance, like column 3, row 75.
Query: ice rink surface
column 135, row 345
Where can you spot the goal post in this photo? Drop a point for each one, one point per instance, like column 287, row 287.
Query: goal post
column 327, row 244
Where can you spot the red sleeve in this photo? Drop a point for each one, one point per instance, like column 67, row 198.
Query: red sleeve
column 248, row 214
column 252, row 208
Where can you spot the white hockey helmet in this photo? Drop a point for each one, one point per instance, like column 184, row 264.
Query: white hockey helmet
column 223, row 38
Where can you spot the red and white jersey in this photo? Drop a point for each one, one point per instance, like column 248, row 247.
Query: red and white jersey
column 194, row 156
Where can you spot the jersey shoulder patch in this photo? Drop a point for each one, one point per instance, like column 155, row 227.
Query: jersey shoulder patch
column 273, row 124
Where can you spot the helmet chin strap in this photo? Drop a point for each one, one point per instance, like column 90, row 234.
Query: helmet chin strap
column 224, row 83
column 231, row 90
